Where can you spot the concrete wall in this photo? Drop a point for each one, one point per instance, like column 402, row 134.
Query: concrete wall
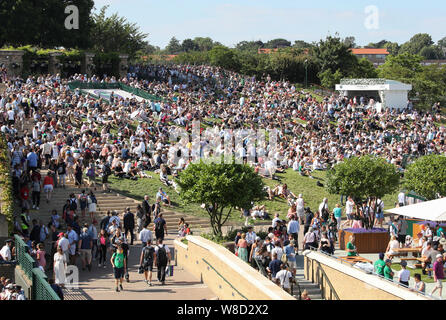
column 11, row 58
column 226, row 275
column 353, row 284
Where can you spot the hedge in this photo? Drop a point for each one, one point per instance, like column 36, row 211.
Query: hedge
column 6, row 189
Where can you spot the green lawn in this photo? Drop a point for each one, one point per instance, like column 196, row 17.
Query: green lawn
column 312, row 194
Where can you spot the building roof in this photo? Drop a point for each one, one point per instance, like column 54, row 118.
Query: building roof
column 369, row 51
column 267, row 50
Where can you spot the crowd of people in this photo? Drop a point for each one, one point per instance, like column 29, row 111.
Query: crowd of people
column 80, row 138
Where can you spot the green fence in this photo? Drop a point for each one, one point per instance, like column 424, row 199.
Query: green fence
column 41, row 290
column 137, row 92
column 26, row 262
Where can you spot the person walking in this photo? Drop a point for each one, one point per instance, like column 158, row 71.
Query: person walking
column 145, row 235
column 162, row 259
column 160, row 227
column 129, row 224
column 60, row 267
column 85, row 246
column 92, row 204
column 119, row 266
column 438, row 270
column 146, row 261
column 103, row 243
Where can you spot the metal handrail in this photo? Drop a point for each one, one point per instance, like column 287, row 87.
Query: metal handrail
column 327, row 280
column 374, row 274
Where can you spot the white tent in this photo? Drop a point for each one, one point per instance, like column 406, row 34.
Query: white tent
column 434, row 210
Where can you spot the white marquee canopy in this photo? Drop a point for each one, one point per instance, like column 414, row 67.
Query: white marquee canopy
column 434, row 210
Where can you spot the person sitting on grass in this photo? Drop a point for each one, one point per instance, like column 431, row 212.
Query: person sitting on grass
column 164, row 197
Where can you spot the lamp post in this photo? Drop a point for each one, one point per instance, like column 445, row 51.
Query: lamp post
column 306, row 73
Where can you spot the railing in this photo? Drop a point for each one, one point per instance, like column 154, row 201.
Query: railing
column 322, row 277
column 26, row 262
column 374, row 274
column 41, row 290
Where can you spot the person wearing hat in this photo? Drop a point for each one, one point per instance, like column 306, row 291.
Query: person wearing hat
column 379, row 265
column 64, row 244
column 388, row 273
column 404, row 274
column 5, row 252
column 438, row 270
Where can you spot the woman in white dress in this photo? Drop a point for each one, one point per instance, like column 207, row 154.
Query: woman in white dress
column 60, row 267
column 92, row 203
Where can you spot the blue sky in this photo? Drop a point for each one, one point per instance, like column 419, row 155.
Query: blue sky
column 230, row 22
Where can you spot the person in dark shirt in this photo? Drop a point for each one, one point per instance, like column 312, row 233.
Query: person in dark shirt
column 274, row 266
column 129, row 224
column 105, row 221
column 35, row 232
column 56, row 288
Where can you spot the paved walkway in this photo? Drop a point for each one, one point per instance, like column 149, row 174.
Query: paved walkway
column 99, row 283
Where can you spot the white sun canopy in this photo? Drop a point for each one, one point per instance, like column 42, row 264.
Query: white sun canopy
column 434, row 210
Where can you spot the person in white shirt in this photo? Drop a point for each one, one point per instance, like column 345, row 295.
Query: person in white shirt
column 278, row 250
column 5, row 252
column 275, row 220
column 404, row 274
column 145, row 235
column 349, row 207
column 64, row 244
column 283, row 277
column 402, row 199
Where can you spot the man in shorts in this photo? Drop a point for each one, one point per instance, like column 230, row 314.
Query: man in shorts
column 119, row 266
column 438, row 270
column 146, row 261
column 85, row 245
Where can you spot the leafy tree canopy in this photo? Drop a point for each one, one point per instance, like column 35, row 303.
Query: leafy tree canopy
column 427, row 176
column 221, row 187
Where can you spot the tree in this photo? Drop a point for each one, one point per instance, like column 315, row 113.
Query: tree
column 221, row 187
column 189, row 45
column 427, row 176
column 174, row 46
column 300, row 44
column 392, row 47
column 224, row 57
column 350, row 42
column 417, row 43
column 204, row 44
column 364, row 69
column 432, row 52
column 402, row 67
column 277, row 43
column 365, row 179
column 252, row 46
column 42, row 23
column 442, row 42
column 335, row 60
column 377, row 45
column 330, row 79
column 116, row 34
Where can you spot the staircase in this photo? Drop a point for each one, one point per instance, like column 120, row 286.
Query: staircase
column 314, row 292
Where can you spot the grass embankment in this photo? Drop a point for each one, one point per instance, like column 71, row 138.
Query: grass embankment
column 312, row 193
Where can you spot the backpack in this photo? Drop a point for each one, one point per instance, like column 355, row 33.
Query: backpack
column 161, row 256
column 148, row 254
column 159, row 226
column 73, row 205
column 93, row 199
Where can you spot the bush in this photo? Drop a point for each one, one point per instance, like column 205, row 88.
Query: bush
column 6, row 191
